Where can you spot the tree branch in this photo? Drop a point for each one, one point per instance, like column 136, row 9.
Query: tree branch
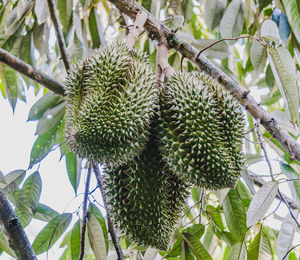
column 84, row 213
column 30, row 72
column 163, row 35
column 14, row 231
column 109, row 222
column 59, row 34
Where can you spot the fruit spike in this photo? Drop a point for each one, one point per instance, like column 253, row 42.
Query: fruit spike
column 111, row 97
column 201, row 131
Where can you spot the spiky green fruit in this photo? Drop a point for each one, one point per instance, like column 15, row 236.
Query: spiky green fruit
column 111, row 97
column 202, row 129
column 144, row 199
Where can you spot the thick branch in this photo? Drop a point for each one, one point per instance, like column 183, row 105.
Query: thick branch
column 109, row 222
column 59, row 34
column 30, row 72
column 14, row 231
column 163, row 35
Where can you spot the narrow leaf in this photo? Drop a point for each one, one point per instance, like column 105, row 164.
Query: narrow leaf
column 261, row 202
column 44, row 213
column 269, row 30
column 235, row 215
column 213, row 13
column 233, row 19
column 286, row 235
column 292, row 10
column 51, row 233
column 50, row 118
column 73, row 165
column 43, row 145
column 260, row 248
column 215, row 216
column 5, row 247
column 196, row 246
column 46, row 102
column 75, row 240
column 32, row 188
column 96, row 237
column 238, row 252
column 94, row 30
column 12, row 181
column 9, row 78
column 64, row 8
column 284, row 70
column 258, row 56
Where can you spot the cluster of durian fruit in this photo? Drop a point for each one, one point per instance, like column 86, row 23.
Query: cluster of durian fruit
column 155, row 142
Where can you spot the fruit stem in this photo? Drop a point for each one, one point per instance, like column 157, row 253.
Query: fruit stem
column 132, row 37
column 162, row 61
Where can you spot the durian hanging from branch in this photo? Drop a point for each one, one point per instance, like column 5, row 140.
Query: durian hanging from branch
column 111, row 101
column 202, row 128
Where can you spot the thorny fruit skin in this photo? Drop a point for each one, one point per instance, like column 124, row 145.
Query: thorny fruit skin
column 111, row 97
column 145, row 199
column 202, row 129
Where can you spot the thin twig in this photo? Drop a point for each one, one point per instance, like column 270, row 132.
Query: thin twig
column 109, row 222
column 84, row 212
column 30, row 72
column 288, row 252
column 258, row 131
column 201, row 204
column 59, row 34
column 289, row 208
column 231, row 39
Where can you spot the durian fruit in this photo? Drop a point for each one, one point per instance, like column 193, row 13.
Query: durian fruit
column 111, row 97
column 145, row 199
column 202, row 129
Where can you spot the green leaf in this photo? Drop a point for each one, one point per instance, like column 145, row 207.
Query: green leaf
column 5, row 247
column 260, row 248
column 185, row 251
column 32, row 188
column 293, row 13
column 45, row 213
column 66, row 240
column 187, row 8
column 233, row 19
column 215, row 216
column 235, row 215
column 51, row 233
column 270, row 31
column 97, row 213
column 291, row 174
column 25, row 52
column 64, row 8
column 284, row 71
column 46, row 102
column 249, row 181
column 41, row 11
column 196, row 246
column 95, row 28
column 50, row 118
column 261, row 202
column 286, row 235
column 73, row 165
column 263, row 3
column 213, row 13
column 12, row 181
column 66, row 254
column 147, row 4
column 75, row 240
column 9, row 78
column 238, row 252
column 23, row 207
column 258, row 56
column 43, row 145
column 96, row 237
column 41, row 34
